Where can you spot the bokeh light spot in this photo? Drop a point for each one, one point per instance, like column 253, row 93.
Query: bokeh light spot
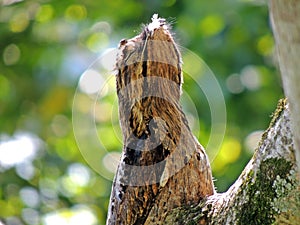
column 67, row 188
column 91, row 82
column 21, row 148
column 30, row 197
column 79, row 174
column 211, row 25
column 229, row 153
column 45, row 13
column 75, row 12
column 60, row 125
column 230, row 150
column 250, row 78
column 265, row 45
column 234, row 84
column 19, row 22
column 25, row 170
column 101, row 26
column 109, row 60
column 31, row 216
column 11, row 54
column 13, row 221
column 103, row 112
column 77, row 215
column 49, row 191
column 97, row 41
column 111, row 161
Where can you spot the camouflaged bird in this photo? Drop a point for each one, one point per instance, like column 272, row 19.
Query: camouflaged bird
column 162, row 166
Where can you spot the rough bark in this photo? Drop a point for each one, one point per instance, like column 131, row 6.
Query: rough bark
column 285, row 17
column 164, row 176
column 266, row 192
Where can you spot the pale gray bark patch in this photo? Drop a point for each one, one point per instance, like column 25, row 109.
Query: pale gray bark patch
column 285, row 19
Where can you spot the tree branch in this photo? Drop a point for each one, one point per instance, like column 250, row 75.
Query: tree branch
column 266, row 191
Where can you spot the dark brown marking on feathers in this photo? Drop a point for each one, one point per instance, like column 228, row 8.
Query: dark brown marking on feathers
column 155, row 134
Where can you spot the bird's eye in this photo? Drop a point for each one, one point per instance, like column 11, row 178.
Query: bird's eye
column 122, row 42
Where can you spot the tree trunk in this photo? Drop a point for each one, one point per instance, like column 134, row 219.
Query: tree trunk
column 285, row 17
column 164, row 176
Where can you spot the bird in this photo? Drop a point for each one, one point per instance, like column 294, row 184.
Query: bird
column 162, row 166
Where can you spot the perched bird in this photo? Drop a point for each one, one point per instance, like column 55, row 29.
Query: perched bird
column 162, row 166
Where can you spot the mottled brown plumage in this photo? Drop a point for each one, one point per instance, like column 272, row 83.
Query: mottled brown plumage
column 162, row 165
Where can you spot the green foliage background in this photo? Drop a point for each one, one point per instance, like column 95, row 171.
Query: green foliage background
column 46, row 45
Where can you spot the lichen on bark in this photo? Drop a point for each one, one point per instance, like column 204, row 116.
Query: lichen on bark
column 258, row 207
column 275, row 116
column 287, row 202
